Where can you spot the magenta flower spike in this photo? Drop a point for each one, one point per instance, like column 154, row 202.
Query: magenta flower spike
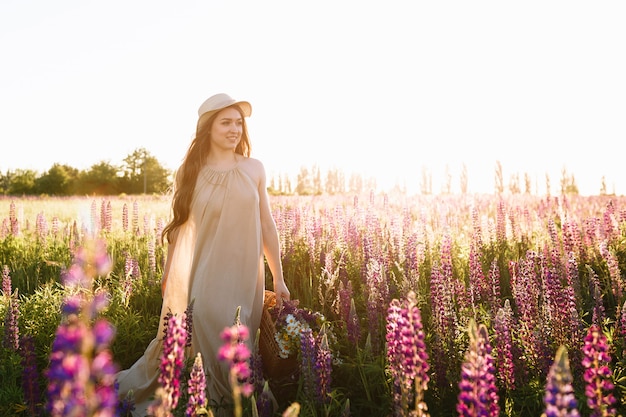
column 236, row 354
column 559, row 398
column 478, row 393
column 597, row 374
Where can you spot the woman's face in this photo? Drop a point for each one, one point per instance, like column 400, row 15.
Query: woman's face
column 227, row 129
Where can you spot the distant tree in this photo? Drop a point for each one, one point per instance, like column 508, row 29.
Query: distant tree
column 142, row 173
column 5, row 182
column 101, row 179
column 22, row 182
column 355, row 184
column 464, row 179
column 499, row 179
column 568, row 183
column 514, row 185
column 335, row 182
column 603, row 186
column 304, row 185
column 58, row 180
column 317, row 181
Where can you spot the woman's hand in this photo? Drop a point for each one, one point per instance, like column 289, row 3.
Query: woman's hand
column 282, row 293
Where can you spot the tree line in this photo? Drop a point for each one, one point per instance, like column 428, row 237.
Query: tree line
column 140, row 173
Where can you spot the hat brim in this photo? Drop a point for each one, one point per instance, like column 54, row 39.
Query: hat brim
column 246, row 109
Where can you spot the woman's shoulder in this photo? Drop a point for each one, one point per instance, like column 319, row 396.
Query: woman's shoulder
column 253, row 167
column 252, row 163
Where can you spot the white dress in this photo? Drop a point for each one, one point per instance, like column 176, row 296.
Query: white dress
column 217, row 261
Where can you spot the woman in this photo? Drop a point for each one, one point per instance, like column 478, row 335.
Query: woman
column 221, row 229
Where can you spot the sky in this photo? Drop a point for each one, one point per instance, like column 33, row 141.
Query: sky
column 384, row 89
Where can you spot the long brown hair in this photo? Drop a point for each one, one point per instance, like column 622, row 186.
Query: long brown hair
column 195, row 159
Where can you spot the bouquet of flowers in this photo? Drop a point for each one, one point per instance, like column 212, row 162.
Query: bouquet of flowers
column 279, row 342
column 289, row 321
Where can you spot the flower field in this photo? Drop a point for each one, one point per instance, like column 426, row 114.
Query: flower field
column 442, row 305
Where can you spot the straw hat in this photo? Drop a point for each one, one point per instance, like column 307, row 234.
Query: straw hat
column 221, row 101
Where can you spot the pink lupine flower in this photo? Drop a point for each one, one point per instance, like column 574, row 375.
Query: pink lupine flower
column 559, row 397
column 597, row 374
column 478, row 394
column 236, row 354
column 41, row 227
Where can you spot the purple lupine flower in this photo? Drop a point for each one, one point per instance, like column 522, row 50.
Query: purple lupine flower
column 125, row 405
column 15, row 224
column 406, row 355
column 4, row 228
column 256, row 367
column 41, row 227
column 236, row 354
column 504, row 342
column 476, row 276
column 55, row 227
column 323, row 369
column 6, row 281
column 172, row 358
column 614, row 271
column 596, row 293
column 125, row 217
column 196, row 388
column 308, row 348
column 478, row 393
column 501, row 222
column 559, row 398
column 597, row 374
column 353, row 327
column 11, row 328
column 151, row 257
column 108, row 217
column 81, row 373
column 264, row 404
column 377, row 284
column 30, row 375
column 189, row 323
column 135, row 223
column 345, row 293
